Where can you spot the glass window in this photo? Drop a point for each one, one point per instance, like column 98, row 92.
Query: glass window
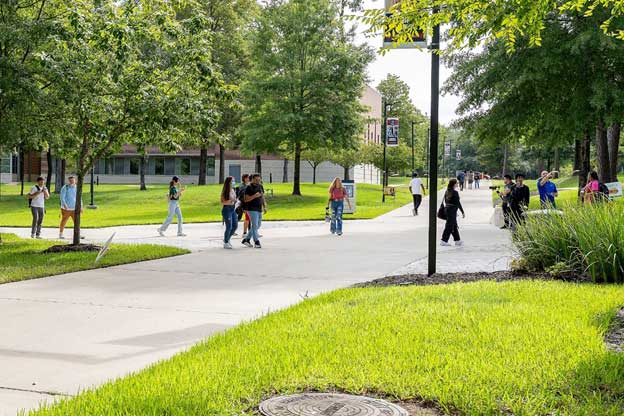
column 195, row 166
column 5, row 165
column 159, row 166
column 110, row 163
column 119, row 166
column 185, row 167
column 169, row 166
column 210, row 166
column 134, row 166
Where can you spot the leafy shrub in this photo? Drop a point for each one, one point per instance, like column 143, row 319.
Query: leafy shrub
column 587, row 239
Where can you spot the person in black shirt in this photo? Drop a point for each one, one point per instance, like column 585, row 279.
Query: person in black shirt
column 519, row 199
column 255, row 205
column 451, row 205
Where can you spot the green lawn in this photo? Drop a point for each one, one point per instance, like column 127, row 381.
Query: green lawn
column 126, row 205
column 521, row 348
column 21, row 259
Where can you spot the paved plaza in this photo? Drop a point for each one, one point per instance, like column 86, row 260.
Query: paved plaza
column 70, row 332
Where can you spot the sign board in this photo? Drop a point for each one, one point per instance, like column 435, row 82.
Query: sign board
column 104, row 249
column 615, row 189
column 351, row 191
column 390, row 37
column 392, row 132
column 447, row 149
column 458, row 154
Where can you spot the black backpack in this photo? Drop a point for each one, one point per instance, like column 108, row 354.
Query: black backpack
column 30, row 199
column 603, row 190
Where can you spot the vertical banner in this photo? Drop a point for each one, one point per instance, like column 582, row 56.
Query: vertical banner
column 458, row 154
column 447, row 149
column 392, row 132
column 351, row 191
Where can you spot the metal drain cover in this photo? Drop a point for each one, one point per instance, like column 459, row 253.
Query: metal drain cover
column 328, row 404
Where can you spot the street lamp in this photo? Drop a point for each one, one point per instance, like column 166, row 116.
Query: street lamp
column 92, row 204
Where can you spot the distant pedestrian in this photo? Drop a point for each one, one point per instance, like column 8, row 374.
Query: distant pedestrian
column 36, row 197
column 255, row 204
column 506, row 198
column 547, row 190
column 451, row 205
column 477, row 180
column 519, row 200
column 461, row 178
column 337, row 195
column 228, row 211
column 241, row 208
column 417, row 189
column 68, row 204
column 174, row 195
column 470, row 179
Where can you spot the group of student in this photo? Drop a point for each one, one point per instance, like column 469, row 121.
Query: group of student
column 469, row 179
column 36, row 201
column 516, row 197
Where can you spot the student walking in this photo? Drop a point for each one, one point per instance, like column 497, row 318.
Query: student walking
column 36, row 200
column 228, row 211
column 471, row 177
column 417, row 189
column 255, row 205
column 477, row 180
column 451, row 205
column 68, row 204
column 337, row 196
column 241, row 206
column 175, row 192
column 461, row 178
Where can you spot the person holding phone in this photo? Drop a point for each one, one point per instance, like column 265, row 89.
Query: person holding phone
column 547, row 190
column 337, row 195
column 256, row 206
column 37, row 196
column 228, row 211
column 175, row 192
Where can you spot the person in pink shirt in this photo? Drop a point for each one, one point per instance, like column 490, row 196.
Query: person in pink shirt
column 592, row 189
column 337, row 196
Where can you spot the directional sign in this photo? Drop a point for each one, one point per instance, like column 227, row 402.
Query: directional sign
column 458, row 154
column 392, row 132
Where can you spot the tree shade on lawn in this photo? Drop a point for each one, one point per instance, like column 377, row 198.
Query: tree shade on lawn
column 21, row 259
column 126, row 205
column 522, row 348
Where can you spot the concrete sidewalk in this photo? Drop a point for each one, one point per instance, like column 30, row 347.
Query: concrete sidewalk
column 70, row 332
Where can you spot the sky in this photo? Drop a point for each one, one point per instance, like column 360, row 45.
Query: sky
column 412, row 66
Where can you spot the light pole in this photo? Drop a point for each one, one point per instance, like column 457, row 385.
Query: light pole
column 412, row 147
column 92, row 204
column 385, row 145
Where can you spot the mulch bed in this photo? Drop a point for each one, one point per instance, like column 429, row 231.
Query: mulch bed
column 446, row 278
column 615, row 337
column 70, row 248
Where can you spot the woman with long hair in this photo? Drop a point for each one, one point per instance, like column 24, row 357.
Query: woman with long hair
column 592, row 189
column 337, row 195
column 228, row 210
column 175, row 192
column 451, row 205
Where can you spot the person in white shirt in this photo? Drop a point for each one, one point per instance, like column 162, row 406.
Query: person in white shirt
column 417, row 189
column 37, row 196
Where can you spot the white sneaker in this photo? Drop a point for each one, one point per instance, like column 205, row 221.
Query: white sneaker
column 32, row 236
column 414, row 212
column 181, row 235
column 459, row 243
column 61, row 236
column 445, row 243
column 227, row 246
column 244, row 236
column 161, row 232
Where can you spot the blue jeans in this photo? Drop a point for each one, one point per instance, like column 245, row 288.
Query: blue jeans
column 255, row 219
column 337, row 206
column 230, row 218
column 174, row 210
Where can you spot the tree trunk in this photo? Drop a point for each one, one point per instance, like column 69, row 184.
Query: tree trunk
column 285, row 171
column 346, row 175
column 22, row 162
column 577, row 155
column 49, row 173
column 314, row 174
column 59, row 180
column 79, row 183
column 259, row 164
column 221, row 164
column 613, row 142
column 505, row 159
column 297, row 175
column 142, row 168
column 584, row 161
column 203, row 159
column 602, row 152
column 557, row 162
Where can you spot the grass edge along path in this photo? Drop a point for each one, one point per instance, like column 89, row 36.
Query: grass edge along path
column 486, row 348
column 21, row 259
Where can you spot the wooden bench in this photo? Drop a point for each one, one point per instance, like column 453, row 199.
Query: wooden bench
column 389, row 191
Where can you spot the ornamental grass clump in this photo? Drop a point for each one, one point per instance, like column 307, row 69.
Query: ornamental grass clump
column 588, row 239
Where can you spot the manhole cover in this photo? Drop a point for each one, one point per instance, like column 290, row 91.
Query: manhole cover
column 328, row 404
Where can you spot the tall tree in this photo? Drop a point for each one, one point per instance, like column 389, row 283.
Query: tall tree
column 304, row 88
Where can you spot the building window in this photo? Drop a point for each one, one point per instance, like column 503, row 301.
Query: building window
column 119, row 166
column 210, row 166
column 185, row 166
column 159, row 166
column 170, row 166
column 109, row 165
column 134, row 166
column 5, row 165
column 195, row 166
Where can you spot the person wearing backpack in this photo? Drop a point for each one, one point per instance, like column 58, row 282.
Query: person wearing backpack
column 175, row 192
column 36, row 201
column 595, row 191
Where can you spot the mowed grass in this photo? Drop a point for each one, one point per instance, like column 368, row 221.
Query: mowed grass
column 21, row 259
column 521, row 348
column 126, row 205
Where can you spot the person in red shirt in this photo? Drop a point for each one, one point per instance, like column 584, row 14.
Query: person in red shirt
column 337, row 196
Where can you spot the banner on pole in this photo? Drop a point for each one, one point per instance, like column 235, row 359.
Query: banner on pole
column 391, row 35
column 458, row 154
column 447, row 149
column 392, row 132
